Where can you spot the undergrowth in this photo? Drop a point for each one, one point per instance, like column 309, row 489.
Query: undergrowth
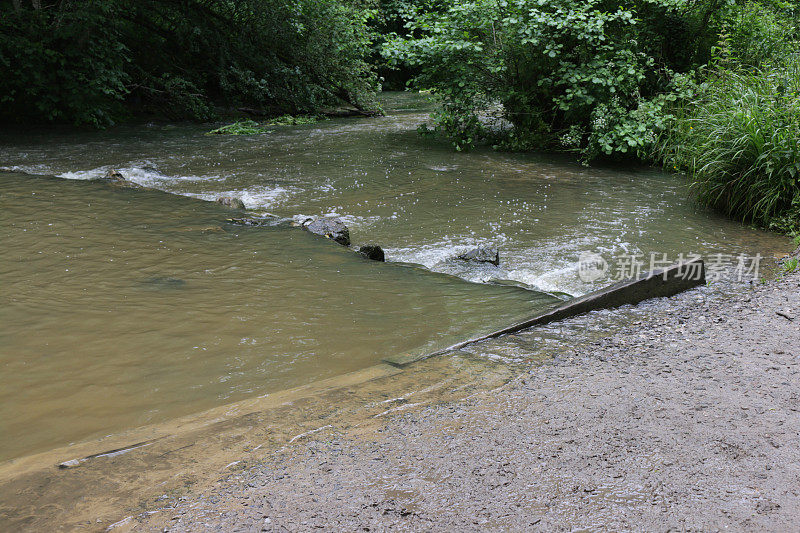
column 251, row 127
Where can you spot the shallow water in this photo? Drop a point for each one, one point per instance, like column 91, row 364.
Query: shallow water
column 417, row 197
column 126, row 307
column 123, row 307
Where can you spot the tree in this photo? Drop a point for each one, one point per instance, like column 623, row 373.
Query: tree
column 96, row 61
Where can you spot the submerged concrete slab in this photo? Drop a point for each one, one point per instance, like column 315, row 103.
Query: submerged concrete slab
column 654, row 284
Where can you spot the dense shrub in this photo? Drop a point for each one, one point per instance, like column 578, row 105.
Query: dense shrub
column 740, row 142
column 757, row 33
column 591, row 75
column 709, row 87
column 90, row 61
column 393, row 18
column 65, row 65
column 738, row 133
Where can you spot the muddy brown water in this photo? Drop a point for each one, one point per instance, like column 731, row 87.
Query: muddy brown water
column 126, row 307
column 123, row 308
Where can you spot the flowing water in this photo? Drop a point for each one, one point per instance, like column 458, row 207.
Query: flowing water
column 125, row 307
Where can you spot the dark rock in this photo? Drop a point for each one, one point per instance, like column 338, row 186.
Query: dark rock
column 114, row 175
column 329, row 227
column 482, row 254
column 231, row 201
column 372, row 251
column 117, row 179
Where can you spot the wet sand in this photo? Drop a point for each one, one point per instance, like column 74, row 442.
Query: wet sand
column 686, row 419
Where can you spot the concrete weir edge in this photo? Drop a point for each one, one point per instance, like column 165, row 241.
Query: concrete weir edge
column 658, row 283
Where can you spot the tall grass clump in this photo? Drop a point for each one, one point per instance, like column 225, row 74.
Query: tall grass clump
column 736, row 133
column 739, row 141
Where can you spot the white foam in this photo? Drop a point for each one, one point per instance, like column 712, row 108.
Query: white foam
column 85, row 174
column 147, row 174
column 259, row 197
column 28, row 169
column 434, row 254
column 143, row 173
column 349, row 220
column 564, row 279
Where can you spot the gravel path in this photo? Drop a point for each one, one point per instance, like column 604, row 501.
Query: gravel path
column 686, row 420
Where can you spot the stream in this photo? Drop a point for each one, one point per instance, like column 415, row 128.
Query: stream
column 127, row 307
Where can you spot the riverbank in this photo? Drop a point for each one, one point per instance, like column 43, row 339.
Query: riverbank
column 686, row 419
column 264, row 300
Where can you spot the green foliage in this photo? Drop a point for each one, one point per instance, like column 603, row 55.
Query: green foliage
column 293, row 120
column 757, row 33
column 617, row 129
column 65, row 68
column 94, row 61
column 790, row 265
column 740, row 142
column 738, row 138
column 393, row 18
column 251, row 127
column 243, row 127
column 590, row 75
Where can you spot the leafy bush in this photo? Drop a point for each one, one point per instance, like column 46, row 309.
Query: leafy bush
column 65, row 67
column 251, row 127
column 93, row 61
column 757, row 33
column 594, row 73
column 739, row 140
column 737, row 134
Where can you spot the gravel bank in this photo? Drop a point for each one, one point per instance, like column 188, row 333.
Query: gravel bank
column 685, row 420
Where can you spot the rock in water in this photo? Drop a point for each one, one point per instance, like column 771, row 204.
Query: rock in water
column 117, row 179
column 329, row 227
column 231, row 201
column 482, row 254
column 114, row 175
column 372, row 251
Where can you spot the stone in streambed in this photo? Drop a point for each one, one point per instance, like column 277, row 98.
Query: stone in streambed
column 373, row 252
column 231, row 201
column 114, row 175
column 329, row 227
column 117, row 179
column 482, row 254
